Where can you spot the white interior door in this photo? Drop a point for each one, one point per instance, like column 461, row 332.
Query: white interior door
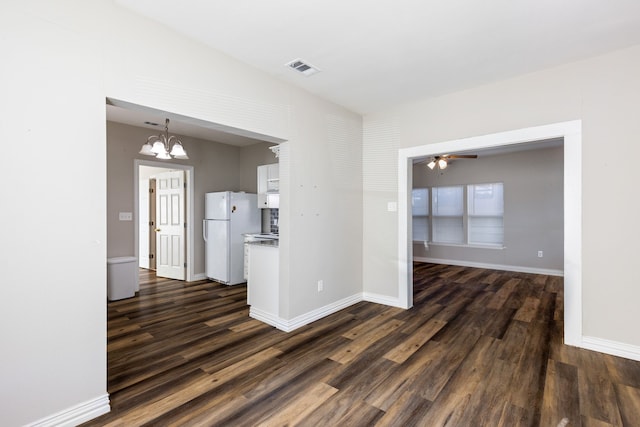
column 170, row 225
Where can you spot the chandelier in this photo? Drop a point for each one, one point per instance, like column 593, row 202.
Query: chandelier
column 163, row 146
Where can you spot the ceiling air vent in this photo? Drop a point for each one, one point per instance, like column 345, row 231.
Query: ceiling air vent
column 302, row 67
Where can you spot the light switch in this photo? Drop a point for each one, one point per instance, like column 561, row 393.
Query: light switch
column 392, row 206
column 125, row 216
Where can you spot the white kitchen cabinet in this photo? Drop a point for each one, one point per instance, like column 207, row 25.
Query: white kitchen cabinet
column 269, row 186
column 246, row 261
column 264, row 279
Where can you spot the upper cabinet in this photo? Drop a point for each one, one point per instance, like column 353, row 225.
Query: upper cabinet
column 269, row 186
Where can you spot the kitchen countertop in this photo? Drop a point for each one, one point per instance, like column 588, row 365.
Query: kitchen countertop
column 267, row 242
column 262, row 235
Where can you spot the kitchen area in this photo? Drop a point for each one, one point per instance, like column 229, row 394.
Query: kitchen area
column 261, row 251
column 241, row 235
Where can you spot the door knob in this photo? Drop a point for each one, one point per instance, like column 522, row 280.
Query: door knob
column 157, row 229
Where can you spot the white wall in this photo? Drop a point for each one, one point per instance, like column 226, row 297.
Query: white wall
column 603, row 93
column 66, row 57
column 52, row 312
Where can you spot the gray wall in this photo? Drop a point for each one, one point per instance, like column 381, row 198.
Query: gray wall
column 250, row 157
column 217, row 167
column 533, row 208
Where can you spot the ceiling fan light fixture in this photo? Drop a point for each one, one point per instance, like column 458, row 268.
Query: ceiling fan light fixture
column 442, row 161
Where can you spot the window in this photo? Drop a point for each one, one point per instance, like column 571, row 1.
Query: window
column 461, row 215
column 485, row 207
column 448, row 214
column 420, row 212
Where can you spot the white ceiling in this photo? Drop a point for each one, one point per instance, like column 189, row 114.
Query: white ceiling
column 376, row 54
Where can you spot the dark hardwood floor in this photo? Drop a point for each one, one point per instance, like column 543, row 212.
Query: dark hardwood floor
column 479, row 348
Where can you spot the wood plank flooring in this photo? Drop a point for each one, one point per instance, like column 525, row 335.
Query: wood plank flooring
column 479, row 348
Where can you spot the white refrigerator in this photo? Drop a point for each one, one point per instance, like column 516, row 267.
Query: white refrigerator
column 227, row 217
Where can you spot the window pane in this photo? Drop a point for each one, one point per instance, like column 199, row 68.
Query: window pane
column 420, row 212
column 420, row 202
column 447, row 205
column 485, row 199
column 448, row 230
column 485, row 205
column 447, row 201
column 486, row 230
column 420, row 228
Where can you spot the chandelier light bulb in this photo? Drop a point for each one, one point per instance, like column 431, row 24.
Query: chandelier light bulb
column 146, row 150
column 178, row 150
column 158, row 147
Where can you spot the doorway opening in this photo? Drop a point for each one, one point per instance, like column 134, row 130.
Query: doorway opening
column 155, row 243
column 571, row 133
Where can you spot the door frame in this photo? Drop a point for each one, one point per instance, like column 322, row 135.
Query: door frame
column 571, row 132
column 152, row 240
column 189, row 206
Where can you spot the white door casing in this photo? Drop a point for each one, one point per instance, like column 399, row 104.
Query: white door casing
column 151, row 225
column 170, row 225
column 571, row 132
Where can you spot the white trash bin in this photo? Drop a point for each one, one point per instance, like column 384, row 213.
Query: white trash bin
column 122, row 277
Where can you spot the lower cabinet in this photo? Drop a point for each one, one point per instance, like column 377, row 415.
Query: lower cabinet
column 264, row 278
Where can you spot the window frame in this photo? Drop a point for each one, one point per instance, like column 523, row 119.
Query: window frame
column 466, row 215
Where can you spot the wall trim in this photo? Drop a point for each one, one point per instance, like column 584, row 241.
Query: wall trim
column 516, row 268
column 197, row 277
column 615, row 348
column 571, row 132
column 269, row 319
column 189, row 208
column 77, row 414
column 306, row 318
column 381, row 299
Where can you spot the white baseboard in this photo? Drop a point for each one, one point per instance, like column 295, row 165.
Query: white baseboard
column 306, row 318
column 614, row 348
column 516, row 268
column 381, row 299
column 77, row 414
column 199, row 276
column 268, row 318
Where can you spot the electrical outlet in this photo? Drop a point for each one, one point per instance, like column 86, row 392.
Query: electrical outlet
column 539, row 254
column 320, row 285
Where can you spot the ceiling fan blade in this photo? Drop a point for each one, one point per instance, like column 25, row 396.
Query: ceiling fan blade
column 463, row 156
column 447, row 157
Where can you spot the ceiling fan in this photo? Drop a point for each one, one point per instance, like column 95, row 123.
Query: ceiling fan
column 443, row 160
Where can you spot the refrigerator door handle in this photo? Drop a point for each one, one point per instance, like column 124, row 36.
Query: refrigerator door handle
column 204, row 229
